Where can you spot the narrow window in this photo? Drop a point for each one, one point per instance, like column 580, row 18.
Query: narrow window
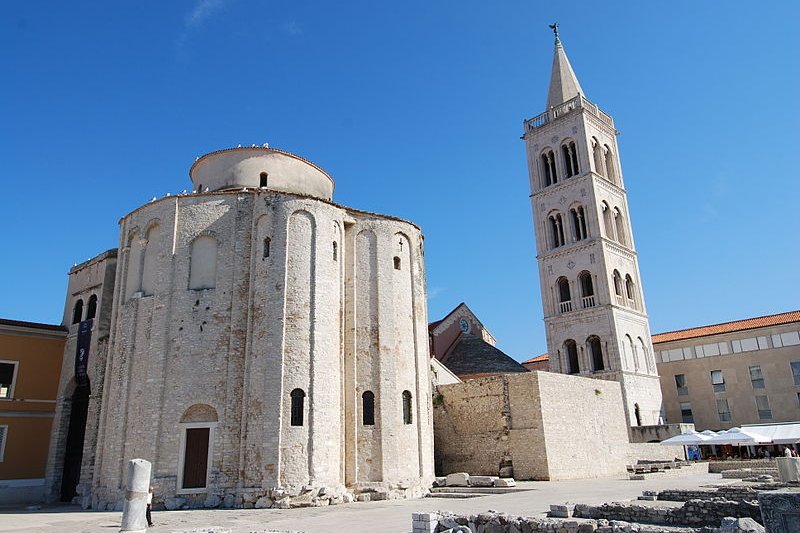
column 611, row 171
column 686, row 413
column 718, row 381
column 680, row 385
column 630, row 290
column 335, row 251
column 91, row 308
column 723, row 410
column 598, row 157
column 596, row 352
column 572, row 356
column 618, row 286
column 407, row 419
column 796, row 371
column 77, row 312
column 396, row 263
column 560, row 226
column 587, row 289
column 564, row 296
column 554, row 230
column 638, row 414
column 762, row 404
column 576, row 224
column 567, row 160
column 756, row 377
column 368, row 408
column 199, row 187
column 607, row 222
column 548, row 168
column 298, row 399
column 620, row 223
column 263, row 180
column 8, row 371
column 267, row 242
column 551, row 159
column 579, row 222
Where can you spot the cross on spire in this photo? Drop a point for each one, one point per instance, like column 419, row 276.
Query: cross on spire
column 554, row 27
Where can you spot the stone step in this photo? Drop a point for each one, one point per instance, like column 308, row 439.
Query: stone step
column 480, row 490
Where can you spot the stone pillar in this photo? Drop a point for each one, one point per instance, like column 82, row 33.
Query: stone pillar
column 788, row 468
column 137, row 483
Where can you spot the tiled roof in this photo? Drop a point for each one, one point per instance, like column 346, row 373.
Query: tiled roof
column 473, row 355
column 538, row 358
column 33, row 325
column 728, row 327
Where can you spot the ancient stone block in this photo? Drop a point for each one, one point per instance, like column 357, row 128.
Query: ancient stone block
column 788, row 468
column 458, row 479
column 780, row 511
column 482, row 481
column 505, row 482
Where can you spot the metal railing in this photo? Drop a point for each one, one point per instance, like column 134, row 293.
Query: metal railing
column 587, row 301
column 565, row 306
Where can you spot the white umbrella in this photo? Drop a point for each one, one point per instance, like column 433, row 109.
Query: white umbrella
column 739, row 436
column 688, row 438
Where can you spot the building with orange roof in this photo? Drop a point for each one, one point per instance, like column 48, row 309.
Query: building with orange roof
column 724, row 375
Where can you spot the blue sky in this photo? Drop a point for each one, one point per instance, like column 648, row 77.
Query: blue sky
column 415, row 109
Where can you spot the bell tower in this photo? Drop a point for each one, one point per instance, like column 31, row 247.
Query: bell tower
column 594, row 309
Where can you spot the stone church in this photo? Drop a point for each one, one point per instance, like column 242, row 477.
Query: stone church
column 257, row 342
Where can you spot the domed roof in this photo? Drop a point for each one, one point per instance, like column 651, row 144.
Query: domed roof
column 260, row 166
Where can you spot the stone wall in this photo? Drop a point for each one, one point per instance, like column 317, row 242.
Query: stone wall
column 531, row 421
column 646, row 451
column 659, row 432
column 695, row 513
column 735, row 493
column 715, row 467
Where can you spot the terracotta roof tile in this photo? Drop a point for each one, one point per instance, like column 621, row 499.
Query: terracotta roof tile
column 538, row 358
column 728, row 327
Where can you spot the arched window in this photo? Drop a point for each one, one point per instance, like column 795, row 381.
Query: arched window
column 150, row 261
column 632, row 351
column 611, row 171
column 396, row 263
column 570, row 158
column 627, row 347
column 267, row 244
column 630, row 291
column 77, row 311
column 571, row 349
column 557, row 229
column 638, row 414
column 549, row 168
column 643, row 349
column 133, row 280
column 618, row 287
column 620, row 223
column 335, row 251
column 203, row 266
column 607, row 221
column 262, row 181
column 564, row 297
column 595, row 352
column 298, row 397
column 368, row 408
column 579, row 223
column 91, row 308
column 587, row 289
column 407, row 416
column 597, row 155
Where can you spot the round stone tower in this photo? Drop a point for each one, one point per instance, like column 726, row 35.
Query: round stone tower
column 266, row 343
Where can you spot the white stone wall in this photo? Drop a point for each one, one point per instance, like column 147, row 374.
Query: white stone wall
column 300, row 317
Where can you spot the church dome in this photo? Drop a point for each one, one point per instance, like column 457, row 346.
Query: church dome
column 263, row 167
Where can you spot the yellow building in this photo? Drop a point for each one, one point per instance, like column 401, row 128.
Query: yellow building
column 725, row 375
column 30, row 367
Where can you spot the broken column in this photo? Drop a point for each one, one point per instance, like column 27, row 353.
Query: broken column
column 137, row 483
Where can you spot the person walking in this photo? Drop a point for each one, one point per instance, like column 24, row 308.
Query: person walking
column 149, row 506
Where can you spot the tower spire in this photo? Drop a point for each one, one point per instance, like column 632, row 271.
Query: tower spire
column 563, row 82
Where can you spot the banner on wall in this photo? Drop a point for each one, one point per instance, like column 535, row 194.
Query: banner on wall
column 82, row 353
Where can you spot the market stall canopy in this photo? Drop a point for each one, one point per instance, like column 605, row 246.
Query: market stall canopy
column 687, row 439
column 778, row 433
column 740, row 436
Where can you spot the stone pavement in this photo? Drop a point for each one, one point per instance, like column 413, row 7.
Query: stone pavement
column 385, row 516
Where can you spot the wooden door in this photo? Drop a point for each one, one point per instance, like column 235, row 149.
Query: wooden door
column 195, row 458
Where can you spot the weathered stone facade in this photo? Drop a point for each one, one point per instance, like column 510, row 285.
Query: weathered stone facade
column 249, row 323
column 528, row 422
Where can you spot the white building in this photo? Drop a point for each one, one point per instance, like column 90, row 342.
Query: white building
column 264, row 342
column 595, row 315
